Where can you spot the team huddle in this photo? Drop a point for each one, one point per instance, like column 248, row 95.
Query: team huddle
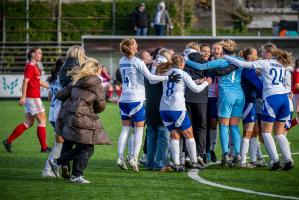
column 180, row 97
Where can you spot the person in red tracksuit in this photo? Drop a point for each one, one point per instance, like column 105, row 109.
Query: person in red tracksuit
column 30, row 98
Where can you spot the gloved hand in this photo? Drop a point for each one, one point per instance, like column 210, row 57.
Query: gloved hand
column 174, row 77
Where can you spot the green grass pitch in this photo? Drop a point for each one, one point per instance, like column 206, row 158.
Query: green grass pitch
column 20, row 171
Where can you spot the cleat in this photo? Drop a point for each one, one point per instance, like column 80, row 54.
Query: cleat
column 200, row 161
column 65, row 173
column 46, row 150
column 188, row 163
column 275, row 166
column 236, row 161
column 247, row 165
column 287, row 166
column 79, row 179
column 144, row 160
column 178, row 168
column 260, row 163
column 213, row 156
column 48, row 174
column 225, row 160
column 197, row 166
column 134, row 165
column 121, row 163
column 54, row 167
column 7, row 146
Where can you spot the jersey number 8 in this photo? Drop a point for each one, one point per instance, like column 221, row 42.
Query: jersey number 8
column 170, row 86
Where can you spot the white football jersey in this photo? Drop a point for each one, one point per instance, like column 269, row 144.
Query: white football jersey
column 133, row 71
column 54, row 87
column 173, row 97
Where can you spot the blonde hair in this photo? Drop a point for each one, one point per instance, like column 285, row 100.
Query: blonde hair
column 193, row 45
column 282, row 56
column 77, row 52
column 177, row 59
column 89, row 68
column 229, row 46
column 125, row 46
column 245, row 53
column 164, row 67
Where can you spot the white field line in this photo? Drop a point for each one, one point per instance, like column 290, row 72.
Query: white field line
column 194, row 175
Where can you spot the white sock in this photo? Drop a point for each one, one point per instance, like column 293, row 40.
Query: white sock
column 122, row 140
column 244, row 149
column 175, row 151
column 259, row 151
column 131, row 145
column 213, row 139
column 191, row 147
column 284, row 147
column 270, row 146
column 55, row 153
column 138, row 133
column 253, row 149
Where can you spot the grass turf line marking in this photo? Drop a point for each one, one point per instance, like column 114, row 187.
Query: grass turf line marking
column 194, row 175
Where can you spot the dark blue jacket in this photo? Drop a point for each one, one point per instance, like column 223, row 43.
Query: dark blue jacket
column 251, row 85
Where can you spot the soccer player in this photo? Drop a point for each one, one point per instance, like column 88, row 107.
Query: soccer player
column 133, row 71
column 173, row 109
column 252, row 87
column 30, row 98
column 230, row 102
column 54, row 87
column 276, row 102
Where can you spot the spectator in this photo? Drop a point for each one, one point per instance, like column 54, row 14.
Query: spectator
column 161, row 19
column 140, row 20
column 117, row 83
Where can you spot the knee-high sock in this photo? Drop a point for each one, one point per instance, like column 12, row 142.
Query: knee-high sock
column 234, row 130
column 122, row 140
column 175, row 150
column 284, row 147
column 270, row 146
column 138, row 133
column 253, row 149
column 259, row 153
column 55, row 153
column 42, row 135
column 191, row 147
column 131, row 145
column 213, row 139
column 244, row 149
column 19, row 130
column 224, row 138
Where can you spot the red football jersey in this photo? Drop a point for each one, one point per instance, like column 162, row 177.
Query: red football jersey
column 32, row 72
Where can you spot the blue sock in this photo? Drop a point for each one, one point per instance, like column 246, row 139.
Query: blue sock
column 234, row 130
column 224, row 138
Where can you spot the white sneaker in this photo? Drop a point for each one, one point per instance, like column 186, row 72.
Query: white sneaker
column 79, row 179
column 48, row 173
column 133, row 163
column 121, row 163
column 247, row 165
column 200, row 161
column 54, row 167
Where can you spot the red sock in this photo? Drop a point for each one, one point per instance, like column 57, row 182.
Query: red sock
column 42, row 136
column 294, row 122
column 118, row 92
column 17, row 132
column 110, row 93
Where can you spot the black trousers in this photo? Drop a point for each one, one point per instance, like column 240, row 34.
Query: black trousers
column 79, row 155
column 198, row 115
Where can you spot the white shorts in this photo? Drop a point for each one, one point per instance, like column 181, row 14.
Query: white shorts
column 296, row 102
column 34, row 106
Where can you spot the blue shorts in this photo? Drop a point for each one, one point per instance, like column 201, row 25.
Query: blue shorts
column 276, row 108
column 249, row 113
column 175, row 119
column 230, row 106
column 132, row 111
column 212, row 107
column 289, row 121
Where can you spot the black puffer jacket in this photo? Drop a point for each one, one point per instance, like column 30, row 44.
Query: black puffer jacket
column 68, row 65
